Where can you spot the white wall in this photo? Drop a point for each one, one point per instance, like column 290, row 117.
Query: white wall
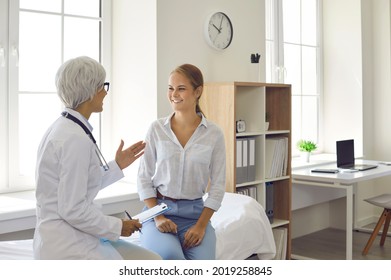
column 180, row 39
column 342, row 73
column 134, row 86
column 381, row 79
column 151, row 38
column 381, row 92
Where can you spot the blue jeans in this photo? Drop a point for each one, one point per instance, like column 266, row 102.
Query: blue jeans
column 184, row 213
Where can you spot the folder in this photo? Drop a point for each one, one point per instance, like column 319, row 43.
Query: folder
column 276, row 157
column 280, row 237
column 253, row 192
column 270, row 155
column 269, row 201
column 285, row 167
column 241, row 161
column 245, row 159
column 251, row 159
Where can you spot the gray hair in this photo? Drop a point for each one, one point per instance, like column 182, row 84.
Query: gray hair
column 78, row 80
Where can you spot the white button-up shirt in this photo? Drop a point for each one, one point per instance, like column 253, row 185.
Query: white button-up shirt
column 68, row 177
column 183, row 172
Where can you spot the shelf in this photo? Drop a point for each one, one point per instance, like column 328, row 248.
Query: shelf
column 227, row 102
column 256, row 182
column 272, row 132
column 249, row 134
column 259, row 133
column 251, row 183
column 277, row 179
column 279, row 223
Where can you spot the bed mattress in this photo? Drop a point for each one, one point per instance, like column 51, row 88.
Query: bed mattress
column 241, row 225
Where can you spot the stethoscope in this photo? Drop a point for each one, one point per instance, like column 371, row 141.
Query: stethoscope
column 102, row 160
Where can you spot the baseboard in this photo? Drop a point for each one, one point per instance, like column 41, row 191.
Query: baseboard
column 366, row 221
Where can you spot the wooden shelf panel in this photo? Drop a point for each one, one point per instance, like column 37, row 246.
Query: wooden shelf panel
column 225, row 103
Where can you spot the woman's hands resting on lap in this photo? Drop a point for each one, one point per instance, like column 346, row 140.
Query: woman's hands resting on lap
column 193, row 236
column 165, row 225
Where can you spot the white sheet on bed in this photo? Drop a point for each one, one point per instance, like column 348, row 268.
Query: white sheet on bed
column 16, row 250
column 242, row 229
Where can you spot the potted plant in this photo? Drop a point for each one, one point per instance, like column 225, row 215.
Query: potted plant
column 306, row 146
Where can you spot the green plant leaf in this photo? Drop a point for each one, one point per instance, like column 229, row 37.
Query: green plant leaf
column 306, row 145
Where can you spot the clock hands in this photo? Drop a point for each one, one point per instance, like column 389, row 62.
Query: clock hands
column 221, row 25
column 219, row 30
column 221, row 22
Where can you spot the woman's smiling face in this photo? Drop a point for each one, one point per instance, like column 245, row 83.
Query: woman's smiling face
column 181, row 94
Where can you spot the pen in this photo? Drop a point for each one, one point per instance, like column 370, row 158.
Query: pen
column 130, row 217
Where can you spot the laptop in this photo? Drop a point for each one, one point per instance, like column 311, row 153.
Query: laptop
column 345, row 157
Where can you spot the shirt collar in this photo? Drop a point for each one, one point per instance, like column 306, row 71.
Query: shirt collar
column 204, row 121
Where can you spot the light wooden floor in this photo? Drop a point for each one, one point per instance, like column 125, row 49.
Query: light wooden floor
column 329, row 244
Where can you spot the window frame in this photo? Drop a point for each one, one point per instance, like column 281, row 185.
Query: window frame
column 10, row 181
column 276, row 71
column 4, row 126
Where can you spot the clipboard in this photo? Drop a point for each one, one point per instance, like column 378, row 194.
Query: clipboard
column 152, row 212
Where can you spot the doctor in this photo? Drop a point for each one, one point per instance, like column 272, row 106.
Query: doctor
column 71, row 171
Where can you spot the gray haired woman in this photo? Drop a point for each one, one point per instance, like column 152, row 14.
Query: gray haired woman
column 71, row 171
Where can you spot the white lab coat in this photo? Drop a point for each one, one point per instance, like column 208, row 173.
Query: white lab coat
column 68, row 177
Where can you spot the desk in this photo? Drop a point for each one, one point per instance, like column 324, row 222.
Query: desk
column 343, row 180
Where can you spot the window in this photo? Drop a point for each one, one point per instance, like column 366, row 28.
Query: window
column 293, row 57
column 36, row 37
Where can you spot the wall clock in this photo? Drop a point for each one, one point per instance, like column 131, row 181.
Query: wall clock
column 218, row 31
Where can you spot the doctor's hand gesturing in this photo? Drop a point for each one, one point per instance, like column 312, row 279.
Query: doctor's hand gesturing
column 126, row 157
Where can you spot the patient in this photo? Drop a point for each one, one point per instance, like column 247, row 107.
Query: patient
column 71, row 171
column 184, row 153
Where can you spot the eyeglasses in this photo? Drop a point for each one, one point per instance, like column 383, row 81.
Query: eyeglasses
column 106, row 86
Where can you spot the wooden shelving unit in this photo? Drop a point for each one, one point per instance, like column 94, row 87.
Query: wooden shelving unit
column 226, row 102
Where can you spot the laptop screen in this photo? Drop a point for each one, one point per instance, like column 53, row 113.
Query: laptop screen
column 345, row 152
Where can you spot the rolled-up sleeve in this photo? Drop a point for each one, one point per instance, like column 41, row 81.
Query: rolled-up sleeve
column 147, row 167
column 217, row 175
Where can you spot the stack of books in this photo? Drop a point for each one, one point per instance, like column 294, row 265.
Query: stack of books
column 276, row 156
column 249, row 191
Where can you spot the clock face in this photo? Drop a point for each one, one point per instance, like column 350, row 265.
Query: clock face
column 219, row 31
